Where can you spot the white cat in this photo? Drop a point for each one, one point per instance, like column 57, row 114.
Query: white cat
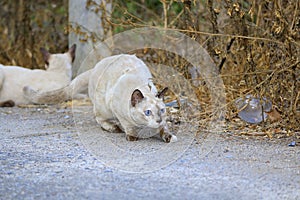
column 58, row 74
column 122, row 93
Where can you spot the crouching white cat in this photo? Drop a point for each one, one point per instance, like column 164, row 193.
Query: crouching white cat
column 122, row 94
column 58, row 74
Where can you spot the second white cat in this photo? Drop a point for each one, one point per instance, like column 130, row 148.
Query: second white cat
column 58, row 74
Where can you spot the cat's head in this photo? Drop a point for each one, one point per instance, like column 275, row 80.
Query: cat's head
column 60, row 60
column 147, row 109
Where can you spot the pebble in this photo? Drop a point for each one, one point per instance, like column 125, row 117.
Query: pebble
column 292, row 144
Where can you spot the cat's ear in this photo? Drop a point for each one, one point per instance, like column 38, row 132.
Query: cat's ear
column 46, row 55
column 162, row 93
column 72, row 52
column 136, row 97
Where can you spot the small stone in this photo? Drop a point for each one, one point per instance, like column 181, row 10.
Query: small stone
column 292, row 144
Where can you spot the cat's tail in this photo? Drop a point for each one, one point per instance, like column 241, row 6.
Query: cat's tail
column 78, row 88
column 50, row 97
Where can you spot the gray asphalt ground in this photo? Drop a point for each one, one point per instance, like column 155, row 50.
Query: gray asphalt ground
column 44, row 156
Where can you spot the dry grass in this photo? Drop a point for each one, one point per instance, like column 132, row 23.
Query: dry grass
column 27, row 25
column 255, row 44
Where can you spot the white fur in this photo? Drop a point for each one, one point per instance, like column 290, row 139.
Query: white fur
column 173, row 138
column 111, row 85
column 13, row 78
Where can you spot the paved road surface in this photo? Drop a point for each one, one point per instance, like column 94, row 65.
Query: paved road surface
column 42, row 156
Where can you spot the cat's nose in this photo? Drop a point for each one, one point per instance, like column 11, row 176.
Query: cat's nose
column 159, row 121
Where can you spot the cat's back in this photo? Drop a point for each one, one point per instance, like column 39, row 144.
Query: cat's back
column 116, row 77
column 18, row 70
column 110, row 72
column 17, row 74
column 121, row 64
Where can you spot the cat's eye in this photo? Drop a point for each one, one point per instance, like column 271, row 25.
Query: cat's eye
column 162, row 110
column 148, row 112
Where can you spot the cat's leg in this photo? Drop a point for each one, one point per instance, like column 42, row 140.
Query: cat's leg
column 131, row 134
column 167, row 136
column 104, row 122
column 130, row 131
column 107, row 125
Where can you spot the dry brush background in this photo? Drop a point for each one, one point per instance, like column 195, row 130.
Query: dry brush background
column 255, row 44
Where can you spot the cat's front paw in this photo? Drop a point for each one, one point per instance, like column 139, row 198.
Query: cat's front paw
column 168, row 137
column 131, row 138
column 173, row 138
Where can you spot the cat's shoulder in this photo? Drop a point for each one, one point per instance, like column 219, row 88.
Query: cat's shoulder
column 119, row 62
column 129, row 60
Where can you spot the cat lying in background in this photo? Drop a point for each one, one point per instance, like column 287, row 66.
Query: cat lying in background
column 122, row 94
column 58, row 74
